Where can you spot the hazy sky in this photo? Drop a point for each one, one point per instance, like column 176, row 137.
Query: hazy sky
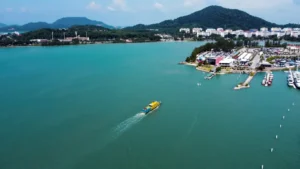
column 130, row 12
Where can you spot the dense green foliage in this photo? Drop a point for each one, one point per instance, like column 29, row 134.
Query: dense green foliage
column 275, row 43
column 95, row 33
column 211, row 17
column 60, row 23
column 293, row 39
column 220, row 45
column 272, row 58
column 218, row 69
column 71, row 21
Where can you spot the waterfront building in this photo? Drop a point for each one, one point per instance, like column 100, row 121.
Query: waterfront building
column 185, row 30
column 211, row 31
column 248, row 34
column 287, row 30
column 253, row 30
column 296, row 29
column 196, row 30
column 280, row 34
column 266, row 64
column 227, row 62
column 220, row 29
column 223, row 33
column 39, row 40
column 275, row 29
column 214, row 60
column 202, row 33
column 239, row 32
column 228, row 31
column 295, row 34
column 263, row 29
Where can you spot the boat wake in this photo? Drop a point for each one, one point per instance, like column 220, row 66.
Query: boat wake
column 127, row 124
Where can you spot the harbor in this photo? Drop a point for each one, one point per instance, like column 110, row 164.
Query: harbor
column 248, row 61
column 72, row 105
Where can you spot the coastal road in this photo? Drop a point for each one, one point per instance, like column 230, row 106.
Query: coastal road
column 255, row 61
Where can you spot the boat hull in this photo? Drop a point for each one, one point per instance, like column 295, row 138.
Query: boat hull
column 151, row 107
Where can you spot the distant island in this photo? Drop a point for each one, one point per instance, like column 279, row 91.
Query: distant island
column 61, row 23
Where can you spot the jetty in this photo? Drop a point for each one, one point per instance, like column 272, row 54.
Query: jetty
column 246, row 83
column 210, row 76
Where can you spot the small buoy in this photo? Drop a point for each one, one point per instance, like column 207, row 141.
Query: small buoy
column 288, row 109
column 276, row 136
column 293, row 104
column 262, row 166
column 280, row 125
column 272, row 150
column 283, row 117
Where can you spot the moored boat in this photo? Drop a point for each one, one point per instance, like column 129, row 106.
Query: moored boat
column 152, row 106
column 268, row 79
column 297, row 79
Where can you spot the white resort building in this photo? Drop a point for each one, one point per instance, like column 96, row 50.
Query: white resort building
column 185, row 30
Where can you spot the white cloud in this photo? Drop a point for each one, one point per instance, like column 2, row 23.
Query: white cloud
column 158, row 6
column 93, row 6
column 190, row 3
column 23, row 9
column 111, row 8
column 253, row 4
column 9, row 9
column 121, row 4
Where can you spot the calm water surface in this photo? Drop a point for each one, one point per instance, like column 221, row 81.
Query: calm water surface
column 78, row 107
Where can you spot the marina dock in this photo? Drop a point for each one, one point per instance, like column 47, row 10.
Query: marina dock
column 210, row 76
column 246, row 83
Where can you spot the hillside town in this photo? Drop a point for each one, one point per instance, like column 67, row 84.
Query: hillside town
column 263, row 32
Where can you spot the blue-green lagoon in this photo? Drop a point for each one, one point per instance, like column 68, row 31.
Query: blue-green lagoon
column 78, row 107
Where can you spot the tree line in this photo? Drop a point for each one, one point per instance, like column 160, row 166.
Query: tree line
column 95, row 33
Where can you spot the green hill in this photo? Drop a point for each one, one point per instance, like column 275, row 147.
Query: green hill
column 71, row 21
column 2, row 25
column 211, row 17
column 60, row 23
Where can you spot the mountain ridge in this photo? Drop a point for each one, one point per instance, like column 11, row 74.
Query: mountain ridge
column 65, row 22
column 2, row 25
column 213, row 17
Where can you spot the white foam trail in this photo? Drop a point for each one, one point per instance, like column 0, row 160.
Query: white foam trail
column 192, row 126
column 127, row 124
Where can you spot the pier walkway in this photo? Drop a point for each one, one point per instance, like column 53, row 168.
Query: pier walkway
column 248, row 80
column 246, row 83
column 210, row 76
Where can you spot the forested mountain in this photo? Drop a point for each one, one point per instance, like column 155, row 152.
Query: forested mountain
column 60, row 23
column 212, row 17
column 2, row 25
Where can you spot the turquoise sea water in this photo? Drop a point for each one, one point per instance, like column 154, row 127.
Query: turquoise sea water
column 78, row 107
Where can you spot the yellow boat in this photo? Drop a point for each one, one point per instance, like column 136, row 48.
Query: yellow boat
column 152, row 106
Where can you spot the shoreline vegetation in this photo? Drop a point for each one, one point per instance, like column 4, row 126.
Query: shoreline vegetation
column 77, row 35
column 89, row 34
